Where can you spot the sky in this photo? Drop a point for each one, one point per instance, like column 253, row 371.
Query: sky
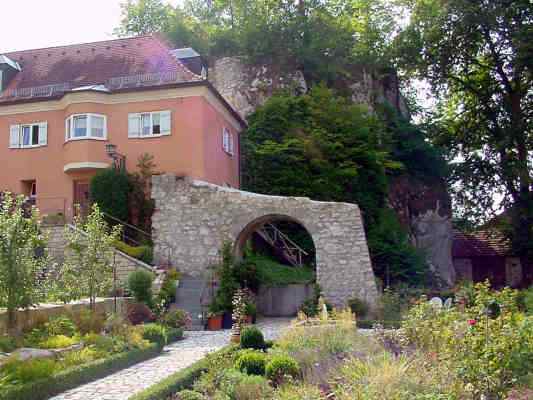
column 33, row 24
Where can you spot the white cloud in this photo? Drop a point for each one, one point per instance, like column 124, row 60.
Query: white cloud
column 32, row 24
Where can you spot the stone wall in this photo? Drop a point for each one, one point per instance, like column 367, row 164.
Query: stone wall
column 193, row 219
column 57, row 244
column 26, row 319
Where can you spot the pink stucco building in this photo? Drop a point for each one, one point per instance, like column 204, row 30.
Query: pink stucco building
column 61, row 106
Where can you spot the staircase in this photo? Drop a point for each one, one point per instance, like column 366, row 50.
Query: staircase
column 282, row 244
column 188, row 298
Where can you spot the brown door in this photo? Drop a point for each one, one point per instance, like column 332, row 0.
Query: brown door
column 81, row 198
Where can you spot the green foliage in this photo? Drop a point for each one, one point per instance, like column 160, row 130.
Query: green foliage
column 60, row 325
column 109, row 189
column 252, row 338
column 58, row 342
column 189, row 395
column 20, row 372
column 88, row 321
column 487, row 354
column 321, row 146
column 526, row 300
column 140, row 285
column 251, row 362
column 297, row 392
column 270, row 273
column 476, row 57
column 228, row 284
column 7, row 344
column 253, row 388
column 177, row 319
column 143, row 17
column 280, row 367
column 60, row 381
column 20, row 237
column 143, row 253
column 359, row 307
column 155, row 333
column 88, row 267
column 167, row 293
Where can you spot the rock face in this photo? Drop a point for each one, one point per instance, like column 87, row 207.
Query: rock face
column 425, row 210
column 193, row 219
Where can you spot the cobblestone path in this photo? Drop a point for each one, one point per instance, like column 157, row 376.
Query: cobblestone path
column 127, row 382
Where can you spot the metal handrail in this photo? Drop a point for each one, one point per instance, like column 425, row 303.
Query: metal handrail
column 124, row 235
column 288, row 244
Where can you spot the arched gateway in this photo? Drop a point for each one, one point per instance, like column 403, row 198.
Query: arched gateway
column 193, row 219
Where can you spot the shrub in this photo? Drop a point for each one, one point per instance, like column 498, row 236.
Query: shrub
column 109, row 189
column 7, row 344
column 105, row 344
column 177, row 319
column 89, row 321
column 116, row 325
column 299, row 392
column 189, row 395
column 280, row 367
column 358, row 307
column 140, row 285
column 60, row 325
column 57, row 342
column 83, row 356
column 252, row 338
column 253, row 388
column 139, row 313
column 143, row 253
column 251, row 362
column 155, row 333
column 528, row 301
column 20, row 372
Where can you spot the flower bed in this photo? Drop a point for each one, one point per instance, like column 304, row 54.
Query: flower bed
column 481, row 347
column 61, row 354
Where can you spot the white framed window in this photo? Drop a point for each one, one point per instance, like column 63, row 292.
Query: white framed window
column 149, row 124
column 86, row 126
column 228, row 144
column 25, row 136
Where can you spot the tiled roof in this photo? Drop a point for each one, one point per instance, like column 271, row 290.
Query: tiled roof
column 95, row 63
column 481, row 243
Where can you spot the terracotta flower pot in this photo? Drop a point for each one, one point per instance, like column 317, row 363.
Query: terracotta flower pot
column 214, row 323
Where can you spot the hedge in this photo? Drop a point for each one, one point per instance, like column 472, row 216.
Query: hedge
column 180, row 380
column 73, row 377
column 174, row 334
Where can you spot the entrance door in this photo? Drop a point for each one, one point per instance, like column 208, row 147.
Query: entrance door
column 81, row 198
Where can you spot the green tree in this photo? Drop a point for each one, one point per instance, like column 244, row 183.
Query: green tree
column 20, row 264
column 324, row 147
column 477, row 56
column 110, row 189
column 88, row 267
column 140, row 17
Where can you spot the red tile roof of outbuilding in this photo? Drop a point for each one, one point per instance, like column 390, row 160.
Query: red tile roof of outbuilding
column 95, row 63
column 482, row 243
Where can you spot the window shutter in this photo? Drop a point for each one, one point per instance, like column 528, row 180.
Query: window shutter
column 67, row 128
column 165, row 121
column 14, row 137
column 43, row 134
column 134, row 125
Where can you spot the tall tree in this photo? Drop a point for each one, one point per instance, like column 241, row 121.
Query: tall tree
column 140, row 17
column 478, row 57
column 20, row 264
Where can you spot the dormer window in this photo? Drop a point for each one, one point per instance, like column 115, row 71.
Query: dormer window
column 8, row 69
column 86, row 126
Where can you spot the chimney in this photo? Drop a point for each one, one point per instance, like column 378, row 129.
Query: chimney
column 8, row 70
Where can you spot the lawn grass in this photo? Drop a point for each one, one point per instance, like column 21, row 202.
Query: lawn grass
column 272, row 273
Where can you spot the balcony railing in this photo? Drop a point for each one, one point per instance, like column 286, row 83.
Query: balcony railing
column 116, row 83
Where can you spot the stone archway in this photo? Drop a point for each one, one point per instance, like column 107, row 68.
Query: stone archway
column 193, row 219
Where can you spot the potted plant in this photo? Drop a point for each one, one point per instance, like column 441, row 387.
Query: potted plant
column 214, row 317
column 250, row 311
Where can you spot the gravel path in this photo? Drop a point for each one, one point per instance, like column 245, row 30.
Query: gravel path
column 127, row 382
